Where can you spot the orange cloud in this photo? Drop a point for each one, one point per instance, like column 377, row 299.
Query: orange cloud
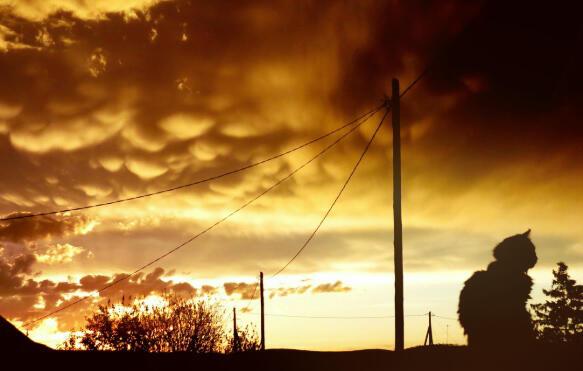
column 337, row 286
column 245, row 290
column 45, row 227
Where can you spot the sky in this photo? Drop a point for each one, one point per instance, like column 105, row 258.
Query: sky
column 105, row 100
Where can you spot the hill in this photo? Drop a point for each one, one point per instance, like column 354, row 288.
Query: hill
column 12, row 340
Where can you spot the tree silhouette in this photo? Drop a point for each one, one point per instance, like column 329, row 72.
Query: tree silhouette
column 178, row 325
column 560, row 319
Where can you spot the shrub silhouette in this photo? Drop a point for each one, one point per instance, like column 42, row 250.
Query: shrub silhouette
column 180, row 325
column 560, row 319
column 247, row 340
column 492, row 306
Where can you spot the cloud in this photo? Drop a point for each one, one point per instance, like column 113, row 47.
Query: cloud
column 12, row 273
column 285, row 291
column 184, row 126
column 145, row 169
column 39, row 9
column 20, row 294
column 45, row 227
column 247, row 291
column 67, row 134
column 59, row 254
column 337, row 286
column 208, row 290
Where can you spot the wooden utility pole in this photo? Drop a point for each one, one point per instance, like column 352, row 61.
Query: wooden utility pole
column 397, row 223
column 429, row 334
column 235, row 332
column 262, row 311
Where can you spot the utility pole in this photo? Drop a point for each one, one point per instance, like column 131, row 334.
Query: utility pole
column 235, row 332
column 262, row 311
column 429, row 334
column 397, row 223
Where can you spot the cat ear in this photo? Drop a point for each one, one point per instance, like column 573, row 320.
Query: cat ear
column 527, row 233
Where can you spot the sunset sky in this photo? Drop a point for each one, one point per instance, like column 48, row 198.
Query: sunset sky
column 102, row 100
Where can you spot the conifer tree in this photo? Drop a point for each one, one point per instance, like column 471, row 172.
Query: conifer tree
column 560, row 318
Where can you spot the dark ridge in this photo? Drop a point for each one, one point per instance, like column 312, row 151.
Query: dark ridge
column 12, row 340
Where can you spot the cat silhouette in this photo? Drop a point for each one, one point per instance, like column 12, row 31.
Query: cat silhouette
column 492, row 304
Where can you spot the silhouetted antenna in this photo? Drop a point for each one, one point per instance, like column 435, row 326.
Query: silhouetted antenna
column 364, row 117
column 429, row 335
column 124, row 278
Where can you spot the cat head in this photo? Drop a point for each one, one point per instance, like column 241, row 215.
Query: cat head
column 516, row 252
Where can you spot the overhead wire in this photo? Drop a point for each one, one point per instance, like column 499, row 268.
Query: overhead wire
column 197, row 182
column 306, row 243
column 446, row 318
column 329, row 317
column 150, row 263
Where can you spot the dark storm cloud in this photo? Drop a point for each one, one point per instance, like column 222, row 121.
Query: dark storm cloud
column 140, row 96
column 46, row 227
column 174, row 92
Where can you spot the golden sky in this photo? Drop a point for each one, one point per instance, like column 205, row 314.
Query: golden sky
column 109, row 99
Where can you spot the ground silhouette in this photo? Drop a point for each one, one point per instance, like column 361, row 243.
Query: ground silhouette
column 433, row 358
column 12, row 340
column 17, row 349
column 492, row 306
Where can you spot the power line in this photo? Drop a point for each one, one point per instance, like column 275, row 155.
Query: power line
column 214, row 177
column 332, row 317
column 447, row 318
column 337, row 197
column 326, row 214
column 386, row 104
column 325, row 317
column 124, row 278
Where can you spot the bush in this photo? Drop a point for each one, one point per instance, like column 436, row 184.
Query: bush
column 179, row 325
